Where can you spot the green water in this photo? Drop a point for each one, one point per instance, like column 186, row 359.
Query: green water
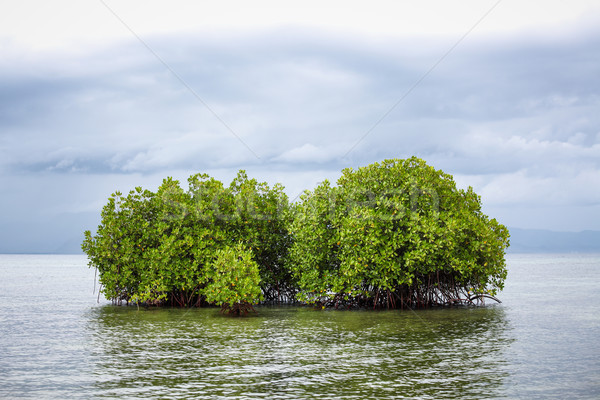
column 58, row 342
column 298, row 352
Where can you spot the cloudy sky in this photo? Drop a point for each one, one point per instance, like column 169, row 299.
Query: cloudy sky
column 101, row 95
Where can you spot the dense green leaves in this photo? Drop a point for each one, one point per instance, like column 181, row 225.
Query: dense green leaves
column 392, row 234
column 396, row 233
column 161, row 248
column 233, row 280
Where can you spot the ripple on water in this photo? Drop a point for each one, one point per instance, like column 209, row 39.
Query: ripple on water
column 57, row 342
column 288, row 351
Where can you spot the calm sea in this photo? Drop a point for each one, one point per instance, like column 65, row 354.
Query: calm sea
column 57, row 341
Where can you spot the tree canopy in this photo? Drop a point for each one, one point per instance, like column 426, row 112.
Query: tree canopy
column 163, row 247
column 392, row 234
column 395, row 234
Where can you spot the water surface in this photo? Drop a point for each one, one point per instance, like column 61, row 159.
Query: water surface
column 59, row 342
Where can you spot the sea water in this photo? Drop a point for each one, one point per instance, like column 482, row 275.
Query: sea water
column 58, row 339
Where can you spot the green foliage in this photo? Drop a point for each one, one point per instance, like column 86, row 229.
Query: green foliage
column 392, row 234
column 159, row 248
column 233, row 280
column 396, row 233
column 260, row 220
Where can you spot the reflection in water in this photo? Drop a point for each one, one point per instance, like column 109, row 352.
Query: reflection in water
column 288, row 352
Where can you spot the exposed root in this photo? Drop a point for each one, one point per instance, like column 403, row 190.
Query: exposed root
column 481, row 296
column 239, row 309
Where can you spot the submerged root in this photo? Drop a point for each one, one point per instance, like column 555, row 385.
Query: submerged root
column 239, row 309
column 429, row 291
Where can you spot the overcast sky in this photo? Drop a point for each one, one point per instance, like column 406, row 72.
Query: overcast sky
column 98, row 96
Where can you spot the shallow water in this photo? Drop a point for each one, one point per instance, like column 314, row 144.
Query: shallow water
column 58, row 342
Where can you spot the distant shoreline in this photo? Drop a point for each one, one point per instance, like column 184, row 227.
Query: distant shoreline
column 545, row 241
column 522, row 241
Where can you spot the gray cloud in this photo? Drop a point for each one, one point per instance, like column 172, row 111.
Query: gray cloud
column 517, row 120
